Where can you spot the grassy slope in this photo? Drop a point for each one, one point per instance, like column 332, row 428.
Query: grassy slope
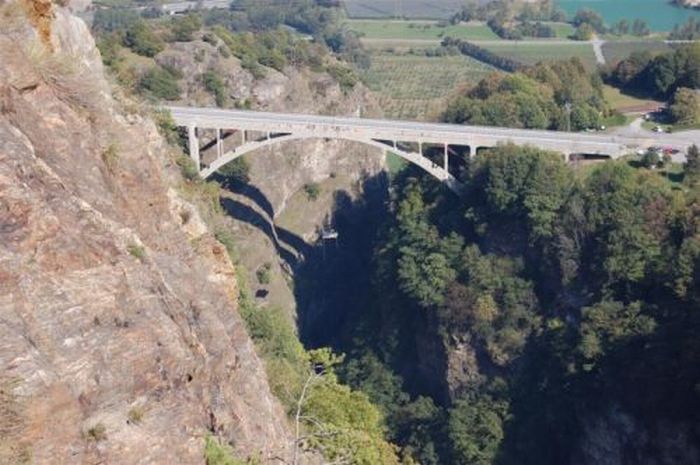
column 620, row 101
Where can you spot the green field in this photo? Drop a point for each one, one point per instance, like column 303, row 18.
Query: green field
column 563, row 30
column 423, row 30
column 616, row 51
column 416, row 87
column 529, row 53
column 439, row 9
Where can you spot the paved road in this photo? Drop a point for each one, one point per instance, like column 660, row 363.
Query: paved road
column 362, row 128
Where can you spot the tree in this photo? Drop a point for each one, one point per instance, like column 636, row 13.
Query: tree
column 685, row 109
column 160, row 83
column 650, row 159
column 142, row 40
column 590, row 17
column 608, row 323
column 584, row 32
column 184, row 27
column 237, row 170
column 640, row 28
column 476, row 430
column 692, row 165
column 214, row 83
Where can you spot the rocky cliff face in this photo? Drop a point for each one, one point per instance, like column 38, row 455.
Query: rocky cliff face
column 119, row 336
column 273, row 216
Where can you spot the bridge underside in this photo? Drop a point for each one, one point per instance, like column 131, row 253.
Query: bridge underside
column 438, row 154
column 228, row 145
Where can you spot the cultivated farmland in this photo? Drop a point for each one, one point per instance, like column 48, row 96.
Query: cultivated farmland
column 415, row 87
column 427, row 9
column 616, row 51
column 530, row 53
column 423, row 30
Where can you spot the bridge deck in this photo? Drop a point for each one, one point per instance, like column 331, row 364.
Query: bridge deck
column 409, row 131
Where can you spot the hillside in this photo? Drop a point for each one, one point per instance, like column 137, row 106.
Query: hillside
column 121, row 342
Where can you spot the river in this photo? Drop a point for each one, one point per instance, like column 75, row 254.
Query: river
column 660, row 15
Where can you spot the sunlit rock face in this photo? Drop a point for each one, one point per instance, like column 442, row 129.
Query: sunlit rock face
column 120, row 340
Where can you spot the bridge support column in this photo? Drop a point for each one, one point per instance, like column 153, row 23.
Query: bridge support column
column 193, row 144
column 445, row 159
column 420, row 148
column 219, row 144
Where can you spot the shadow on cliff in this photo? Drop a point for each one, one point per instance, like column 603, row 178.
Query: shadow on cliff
column 290, row 247
column 332, row 286
column 247, row 190
column 331, row 280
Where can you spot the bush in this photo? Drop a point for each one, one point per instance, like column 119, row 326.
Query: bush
column 97, row 433
column 312, row 190
column 237, row 170
column 219, row 454
column 184, row 27
column 135, row 415
column 141, row 39
column 263, row 274
column 214, row 83
column 137, row 251
column 160, row 83
column 110, row 157
column 346, row 77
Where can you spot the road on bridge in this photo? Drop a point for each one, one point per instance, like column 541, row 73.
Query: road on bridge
column 613, row 145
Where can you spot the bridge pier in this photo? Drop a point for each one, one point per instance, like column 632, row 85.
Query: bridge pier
column 445, row 159
column 193, row 141
column 219, row 144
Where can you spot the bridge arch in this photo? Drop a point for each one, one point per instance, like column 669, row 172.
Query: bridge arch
column 437, row 171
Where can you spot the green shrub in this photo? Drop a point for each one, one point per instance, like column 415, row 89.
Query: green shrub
column 183, row 28
column 110, row 157
column 263, row 274
column 160, row 83
column 312, row 190
column 227, row 238
column 236, row 170
column 136, row 251
column 220, row 454
column 214, row 83
column 345, row 77
column 167, row 127
column 97, row 433
column 142, row 40
column 135, row 415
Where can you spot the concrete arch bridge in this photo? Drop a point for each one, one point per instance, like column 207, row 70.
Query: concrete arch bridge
column 253, row 130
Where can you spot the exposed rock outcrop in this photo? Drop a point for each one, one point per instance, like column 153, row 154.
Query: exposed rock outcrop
column 119, row 336
column 278, row 174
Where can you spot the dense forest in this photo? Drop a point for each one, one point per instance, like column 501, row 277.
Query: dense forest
column 499, row 325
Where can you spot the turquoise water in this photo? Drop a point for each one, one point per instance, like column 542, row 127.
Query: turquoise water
column 660, row 15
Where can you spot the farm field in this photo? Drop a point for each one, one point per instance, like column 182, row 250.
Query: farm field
column 409, row 86
column 616, row 51
column 414, row 9
column 425, row 30
column 531, row 53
